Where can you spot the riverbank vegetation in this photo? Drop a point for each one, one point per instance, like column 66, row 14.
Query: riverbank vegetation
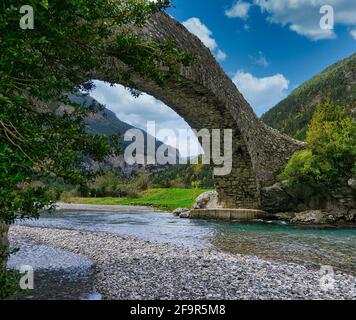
column 160, row 198
column 113, row 183
column 330, row 157
column 111, row 188
column 176, row 187
column 184, row 176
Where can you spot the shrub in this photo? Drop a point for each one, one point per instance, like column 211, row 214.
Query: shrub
column 131, row 192
column 141, row 181
column 330, row 158
column 302, row 167
column 8, row 283
column 66, row 196
column 196, row 184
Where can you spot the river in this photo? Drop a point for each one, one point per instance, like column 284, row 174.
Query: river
column 64, row 275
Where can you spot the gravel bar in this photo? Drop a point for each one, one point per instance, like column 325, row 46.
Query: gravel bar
column 131, row 268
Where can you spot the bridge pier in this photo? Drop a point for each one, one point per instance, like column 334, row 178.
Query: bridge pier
column 239, row 189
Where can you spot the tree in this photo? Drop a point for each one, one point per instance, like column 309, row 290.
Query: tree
column 39, row 67
column 330, row 158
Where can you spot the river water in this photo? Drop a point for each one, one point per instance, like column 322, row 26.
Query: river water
column 63, row 275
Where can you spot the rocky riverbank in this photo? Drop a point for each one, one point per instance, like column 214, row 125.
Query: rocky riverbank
column 131, row 268
column 297, row 206
column 278, row 204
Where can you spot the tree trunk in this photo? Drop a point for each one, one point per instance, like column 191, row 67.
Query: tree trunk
column 4, row 245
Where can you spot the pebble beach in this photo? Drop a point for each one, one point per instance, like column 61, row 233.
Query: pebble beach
column 128, row 268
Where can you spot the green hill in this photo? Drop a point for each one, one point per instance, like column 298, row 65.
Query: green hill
column 338, row 82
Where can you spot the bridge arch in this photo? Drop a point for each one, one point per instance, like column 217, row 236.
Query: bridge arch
column 207, row 98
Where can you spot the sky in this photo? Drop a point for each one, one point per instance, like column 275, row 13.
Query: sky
column 267, row 47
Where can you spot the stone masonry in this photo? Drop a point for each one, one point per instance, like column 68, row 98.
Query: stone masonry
column 207, row 98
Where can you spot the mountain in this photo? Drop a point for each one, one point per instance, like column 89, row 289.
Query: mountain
column 103, row 122
column 106, row 122
column 338, row 82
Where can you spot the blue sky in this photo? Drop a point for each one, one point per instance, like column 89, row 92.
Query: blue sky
column 268, row 48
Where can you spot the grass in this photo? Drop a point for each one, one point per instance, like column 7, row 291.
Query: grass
column 164, row 199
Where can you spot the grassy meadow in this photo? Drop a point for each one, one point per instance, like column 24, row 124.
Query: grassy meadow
column 160, row 198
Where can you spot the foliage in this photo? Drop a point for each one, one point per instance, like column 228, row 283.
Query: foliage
column 184, row 176
column 330, row 158
column 115, row 184
column 69, row 40
column 196, row 184
column 8, row 283
column 293, row 115
column 165, row 199
column 40, row 67
column 112, row 184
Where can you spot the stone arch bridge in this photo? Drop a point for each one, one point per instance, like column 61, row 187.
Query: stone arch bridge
column 207, row 98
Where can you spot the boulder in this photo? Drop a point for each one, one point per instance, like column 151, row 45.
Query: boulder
column 344, row 197
column 274, row 199
column 179, row 211
column 185, row 215
column 285, row 216
column 339, row 213
column 351, row 215
column 313, row 217
column 352, row 183
column 207, row 200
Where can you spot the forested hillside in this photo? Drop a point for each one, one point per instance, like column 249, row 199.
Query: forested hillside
column 293, row 115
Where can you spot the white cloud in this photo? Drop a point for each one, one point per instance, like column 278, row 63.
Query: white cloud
column 261, row 93
column 131, row 109
column 260, row 59
column 353, row 33
column 137, row 111
column 303, row 16
column 240, row 9
column 195, row 26
column 221, row 55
